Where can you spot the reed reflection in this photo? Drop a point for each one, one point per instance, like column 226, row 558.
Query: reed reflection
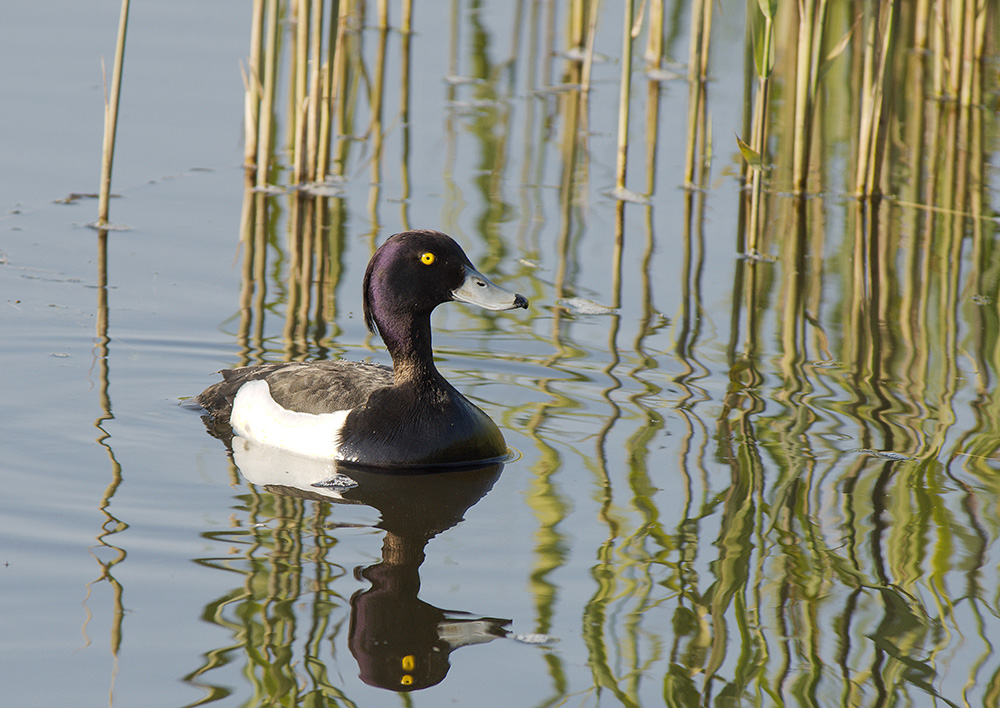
column 399, row 641
column 105, row 552
column 850, row 490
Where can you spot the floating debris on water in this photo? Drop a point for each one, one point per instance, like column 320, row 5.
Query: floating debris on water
column 627, row 195
column 580, row 54
column 338, row 482
column 459, row 80
column 664, row 75
column 534, row 639
column 74, row 197
column 270, row 189
column 556, row 88
column 754, row 255
column 884, row 454
column 330, row 187
column 96, row 225
column 583, row 306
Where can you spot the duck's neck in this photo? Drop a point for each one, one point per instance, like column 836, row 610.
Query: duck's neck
column 408, row 339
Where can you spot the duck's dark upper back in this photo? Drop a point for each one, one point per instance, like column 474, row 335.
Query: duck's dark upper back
column 308, row 386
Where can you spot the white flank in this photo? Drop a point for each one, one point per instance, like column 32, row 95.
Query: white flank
column 257, row 417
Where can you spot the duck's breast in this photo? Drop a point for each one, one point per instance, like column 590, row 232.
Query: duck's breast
column 400, row 427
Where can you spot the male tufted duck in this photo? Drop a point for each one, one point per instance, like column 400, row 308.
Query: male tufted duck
column 408, row 415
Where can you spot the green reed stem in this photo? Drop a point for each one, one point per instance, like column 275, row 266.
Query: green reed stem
column 921, row 24
column 763, row 53
column 877, row 86
column 111, row 118
column 812, row 20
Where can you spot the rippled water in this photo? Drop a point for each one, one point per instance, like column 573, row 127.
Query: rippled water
column 765, row 479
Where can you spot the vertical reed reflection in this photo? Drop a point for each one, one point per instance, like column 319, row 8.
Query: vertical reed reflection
column 106, row 553
column 278, row 541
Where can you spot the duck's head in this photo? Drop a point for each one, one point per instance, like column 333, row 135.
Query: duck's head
column 415, row 271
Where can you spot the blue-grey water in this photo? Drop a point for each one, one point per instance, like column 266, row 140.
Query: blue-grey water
column 738, row 481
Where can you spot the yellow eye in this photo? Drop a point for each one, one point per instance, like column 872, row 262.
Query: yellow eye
column 427, row 258
column 407, row 680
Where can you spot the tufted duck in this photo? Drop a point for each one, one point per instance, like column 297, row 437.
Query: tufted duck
column 367, row 414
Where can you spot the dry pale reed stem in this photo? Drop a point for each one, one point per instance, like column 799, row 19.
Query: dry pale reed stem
column 701, row 20
column 270, row 68
column 253, row 86
column 111, row 118
column 315, row 88
column 624, row 95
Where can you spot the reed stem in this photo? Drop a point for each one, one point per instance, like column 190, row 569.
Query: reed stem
column 877, row 88
column 266, row 116
column 111, row 118
column 299, row 97
column 701, row 32
column 812, row 20
column 315, row 92
column 624, row 96
column 253, row 86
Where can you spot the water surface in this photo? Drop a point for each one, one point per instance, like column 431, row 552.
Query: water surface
column 743, row 477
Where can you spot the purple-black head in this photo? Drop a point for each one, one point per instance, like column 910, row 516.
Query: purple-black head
column 415, row 271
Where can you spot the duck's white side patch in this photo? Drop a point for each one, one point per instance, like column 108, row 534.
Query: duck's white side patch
column 256, row 416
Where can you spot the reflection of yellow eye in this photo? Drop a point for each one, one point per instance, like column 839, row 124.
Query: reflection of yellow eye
column 427, row 258
column 409, row 662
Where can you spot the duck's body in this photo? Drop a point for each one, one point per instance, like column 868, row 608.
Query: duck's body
column 401, row 417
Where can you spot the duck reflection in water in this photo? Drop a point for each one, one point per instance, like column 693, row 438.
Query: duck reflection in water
column 399, row 641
